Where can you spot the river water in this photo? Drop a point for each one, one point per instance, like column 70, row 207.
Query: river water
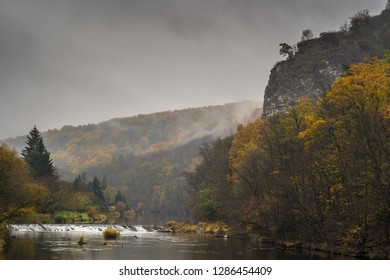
column 32, row 242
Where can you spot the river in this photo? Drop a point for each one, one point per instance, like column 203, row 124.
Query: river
column 56, row 242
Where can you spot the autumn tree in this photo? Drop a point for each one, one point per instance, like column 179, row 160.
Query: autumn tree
column 263, row 157
column 37, row 156
column 319, row 173
column 346, row 137
column 248, row 160
column 210, row 183
column 19, row 195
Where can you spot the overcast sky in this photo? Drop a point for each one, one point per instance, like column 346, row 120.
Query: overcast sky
column 72, row 62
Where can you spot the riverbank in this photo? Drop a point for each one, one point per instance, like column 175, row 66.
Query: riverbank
column 222, row 230
column 335, row 250
column 216, row 229
column 4, row 236
column 219, row 229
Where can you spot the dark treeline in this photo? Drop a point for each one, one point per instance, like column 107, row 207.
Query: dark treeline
column 318, row 174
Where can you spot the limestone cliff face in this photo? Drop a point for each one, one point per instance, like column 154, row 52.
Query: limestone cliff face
column 319, row 62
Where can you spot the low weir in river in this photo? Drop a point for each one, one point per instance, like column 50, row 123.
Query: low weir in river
column 77, row 228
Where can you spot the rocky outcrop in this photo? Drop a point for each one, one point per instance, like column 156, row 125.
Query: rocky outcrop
column 320, row 61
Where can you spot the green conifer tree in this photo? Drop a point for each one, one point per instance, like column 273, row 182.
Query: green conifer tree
column 37, row 156
column 97, row 191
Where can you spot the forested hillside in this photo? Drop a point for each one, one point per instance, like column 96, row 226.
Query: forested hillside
column 318, row 174
column 77, row 149
column 143, row 156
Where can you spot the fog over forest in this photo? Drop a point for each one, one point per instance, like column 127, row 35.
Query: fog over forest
column 80, row 62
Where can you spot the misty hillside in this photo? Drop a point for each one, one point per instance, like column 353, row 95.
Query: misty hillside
column 143, row 156
column 89, row 147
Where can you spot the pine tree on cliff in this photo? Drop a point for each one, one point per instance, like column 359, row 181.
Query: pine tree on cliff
column 37, row 156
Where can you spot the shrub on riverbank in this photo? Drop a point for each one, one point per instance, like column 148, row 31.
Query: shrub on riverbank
column 183, row 228
column 174, row 226
column 217, row 228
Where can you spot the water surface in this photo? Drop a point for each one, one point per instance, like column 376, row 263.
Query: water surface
column 135, row 243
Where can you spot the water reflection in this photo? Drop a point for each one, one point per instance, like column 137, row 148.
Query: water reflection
column 149, row 246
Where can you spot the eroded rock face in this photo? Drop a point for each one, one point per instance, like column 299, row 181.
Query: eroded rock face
column 319, row 62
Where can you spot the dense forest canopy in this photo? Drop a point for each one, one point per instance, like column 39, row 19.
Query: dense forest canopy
column 319, row 173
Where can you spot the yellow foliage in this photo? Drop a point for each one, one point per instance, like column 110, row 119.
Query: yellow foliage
column 188, row 228
column 386, row 113
column 364, row 91
column 173, row 225
column 110, row 233
column 19, row 194
column 246, row 142
column 306, row 110
column 315, row 125
column 337, row 188
column 366, row 88
column 213, row 228
column 209, row 228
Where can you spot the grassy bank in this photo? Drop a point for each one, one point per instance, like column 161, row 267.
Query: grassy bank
column 69, row 217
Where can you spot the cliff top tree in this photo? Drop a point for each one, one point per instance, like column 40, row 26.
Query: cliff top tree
column 286, row 50
column 37, row 156
column 307, row 34
column 361, row 18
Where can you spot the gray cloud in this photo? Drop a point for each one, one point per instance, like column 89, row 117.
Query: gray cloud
column 81, row 61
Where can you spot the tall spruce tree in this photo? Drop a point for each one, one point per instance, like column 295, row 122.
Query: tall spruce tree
column 97, row 191
column 37, row 156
